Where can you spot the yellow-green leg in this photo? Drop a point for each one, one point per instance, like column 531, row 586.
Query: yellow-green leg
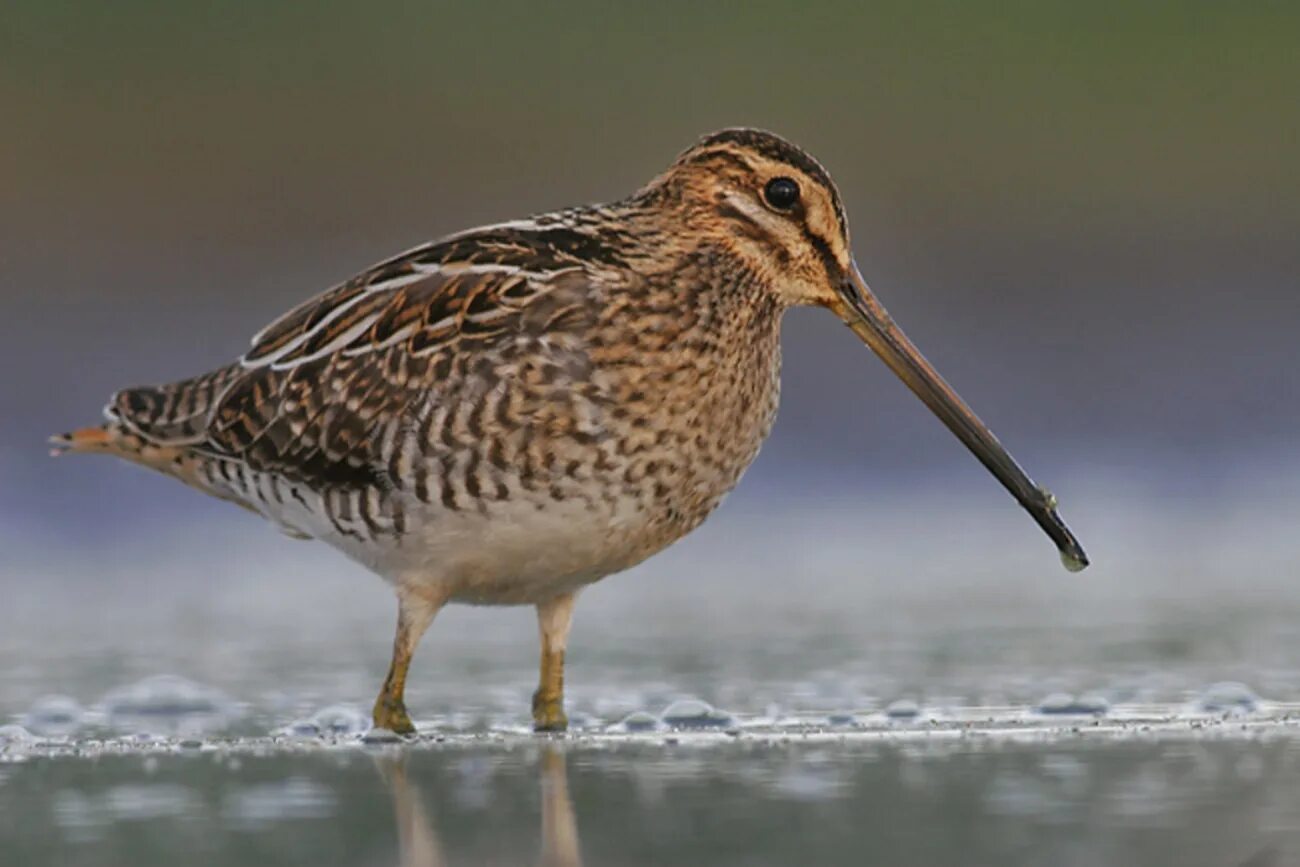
column 553, row 620
column 414, row 614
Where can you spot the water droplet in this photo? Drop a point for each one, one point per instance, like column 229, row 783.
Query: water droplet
column 15, row 739
column 580, row 722
column 167, row 704
column 638, row 721
column 300, row 728
column 903, row 708
column 341, row 719
column 1065, row 704
column 691, row 713
column 1228, row 697
column 54, row 716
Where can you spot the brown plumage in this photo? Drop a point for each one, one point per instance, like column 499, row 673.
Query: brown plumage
column 510, row 413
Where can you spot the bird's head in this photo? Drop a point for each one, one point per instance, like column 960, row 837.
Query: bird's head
column 772, row 207
column 768, row 205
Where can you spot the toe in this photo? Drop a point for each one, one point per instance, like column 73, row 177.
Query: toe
column 392, row 715
column 548, row 715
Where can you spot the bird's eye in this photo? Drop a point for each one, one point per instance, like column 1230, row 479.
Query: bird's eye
column 781, row 193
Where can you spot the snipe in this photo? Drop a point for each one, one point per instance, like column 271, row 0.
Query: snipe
column 508, row 414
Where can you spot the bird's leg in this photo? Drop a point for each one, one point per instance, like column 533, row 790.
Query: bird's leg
column 553, row 620
column 415, row 612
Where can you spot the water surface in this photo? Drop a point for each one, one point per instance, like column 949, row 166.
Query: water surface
column 828, row 683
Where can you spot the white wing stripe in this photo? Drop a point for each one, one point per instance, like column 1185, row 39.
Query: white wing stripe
column 304, row 337
column 334, row 345
column 420, row 272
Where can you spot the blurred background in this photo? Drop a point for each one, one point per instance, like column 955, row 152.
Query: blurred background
column 1088, row 218
column 1087, row 215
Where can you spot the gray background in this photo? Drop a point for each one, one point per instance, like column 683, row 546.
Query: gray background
column 1088, row 219
column 1087, row 215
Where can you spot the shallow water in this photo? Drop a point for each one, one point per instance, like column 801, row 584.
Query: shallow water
column 1000, row 789
column 200, row 697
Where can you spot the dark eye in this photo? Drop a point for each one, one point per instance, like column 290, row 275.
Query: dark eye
column 781, row 193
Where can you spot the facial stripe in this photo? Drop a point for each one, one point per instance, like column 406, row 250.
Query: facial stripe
column 829, row 262
column 762, row 225
column 739, row 141
column 754, row 222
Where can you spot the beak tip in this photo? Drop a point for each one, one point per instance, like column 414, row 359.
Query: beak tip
column 1074, row 561
column 1072, row 556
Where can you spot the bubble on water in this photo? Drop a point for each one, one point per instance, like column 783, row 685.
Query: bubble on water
column 299, row 728
column 15, row 739
column 503, row 722
column 1228, row 697
column 1094, row 703
column 1065, row 704
column 1056, row 702
column 842, row 718
column 54, row 716
column 638, row 721
column 582, row 722
column 691, row 713
column 167, row 704
column 341, row 719
column 903, row 708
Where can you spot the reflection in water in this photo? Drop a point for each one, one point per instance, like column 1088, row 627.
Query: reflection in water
column 1187, row 793
column 418, row 843
column 560, row 845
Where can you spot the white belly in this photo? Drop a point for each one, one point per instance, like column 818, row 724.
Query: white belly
column 514, row 554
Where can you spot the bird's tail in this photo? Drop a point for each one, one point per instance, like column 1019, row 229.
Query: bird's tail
column 114, row 438
column 107, row 439
column 177, row 460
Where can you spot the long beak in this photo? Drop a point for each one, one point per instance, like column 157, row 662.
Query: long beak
column 868, row 318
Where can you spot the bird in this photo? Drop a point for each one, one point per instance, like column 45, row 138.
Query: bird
column 505, row 415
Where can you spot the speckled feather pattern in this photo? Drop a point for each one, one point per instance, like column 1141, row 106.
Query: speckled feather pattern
column 552, row 382
column 510, row 413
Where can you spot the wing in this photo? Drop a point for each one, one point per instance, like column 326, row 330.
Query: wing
column 324, row 391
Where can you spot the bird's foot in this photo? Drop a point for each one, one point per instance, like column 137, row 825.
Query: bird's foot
column 548, row 713
column 390, row 713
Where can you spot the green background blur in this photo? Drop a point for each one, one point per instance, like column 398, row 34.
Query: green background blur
column 1087, row 215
